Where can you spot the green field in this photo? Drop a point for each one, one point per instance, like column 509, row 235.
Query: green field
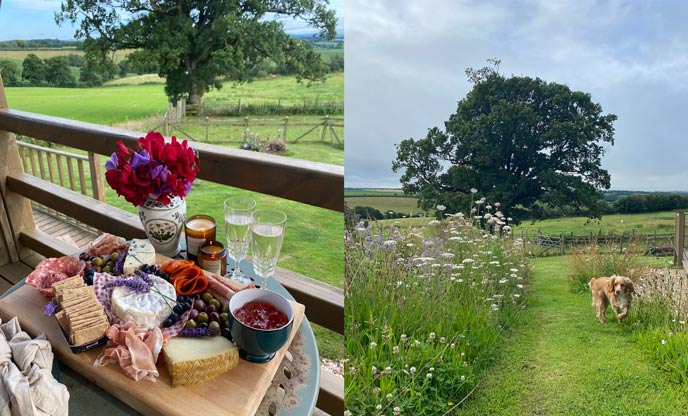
column 372, row 192
column 647, row 223
column 384, row 204
column 111, row 105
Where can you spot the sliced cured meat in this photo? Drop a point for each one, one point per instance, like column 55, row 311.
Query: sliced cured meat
column 106, row 244
column 53, row 270
column 136, row 350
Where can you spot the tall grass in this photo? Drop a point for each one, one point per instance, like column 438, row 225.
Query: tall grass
column 425, row 307
column 593, row 261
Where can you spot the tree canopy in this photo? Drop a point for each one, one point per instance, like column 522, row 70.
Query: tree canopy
column 197, row 43
column 523, row 142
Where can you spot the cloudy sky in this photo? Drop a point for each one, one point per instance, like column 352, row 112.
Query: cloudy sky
column 34, row 19
column 405, row 62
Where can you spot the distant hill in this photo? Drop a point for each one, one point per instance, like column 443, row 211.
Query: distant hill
column 41, row 44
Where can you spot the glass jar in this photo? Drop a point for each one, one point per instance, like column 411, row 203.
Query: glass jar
column 212, row 257
column 199, row 230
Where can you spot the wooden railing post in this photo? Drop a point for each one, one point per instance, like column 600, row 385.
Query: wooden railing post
column 326, row 126
column 286, row 124
column 15, row 210
column 679, row 237
column 96, row 168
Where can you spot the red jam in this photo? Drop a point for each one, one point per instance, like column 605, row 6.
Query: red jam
column 261, row 315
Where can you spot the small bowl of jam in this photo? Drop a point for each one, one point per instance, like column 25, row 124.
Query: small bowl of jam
column 260, row 323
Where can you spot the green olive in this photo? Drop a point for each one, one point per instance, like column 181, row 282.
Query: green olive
column 207, row 297
column 216, row 303
column 202, row 317
column 190, row 324
column 107, row 269
column 97, row 261
column 224, row 316
column 214, row 327
column 114, row 256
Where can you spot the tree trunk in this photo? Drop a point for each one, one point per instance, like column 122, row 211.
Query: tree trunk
column 195, row 94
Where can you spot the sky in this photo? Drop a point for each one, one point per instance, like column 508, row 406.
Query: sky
column 35, row 19
column 405, row 63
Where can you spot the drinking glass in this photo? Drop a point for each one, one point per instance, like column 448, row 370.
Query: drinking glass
column 268, row 231
column 238, row 220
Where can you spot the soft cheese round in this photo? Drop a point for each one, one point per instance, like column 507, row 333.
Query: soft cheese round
column 147, row 310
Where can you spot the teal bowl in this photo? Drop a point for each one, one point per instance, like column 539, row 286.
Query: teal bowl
column 259, row 345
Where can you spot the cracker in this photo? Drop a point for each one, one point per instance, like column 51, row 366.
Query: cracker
column 83, row 311
column 72, row 293
column 62, row 320
column 88, row 323
column 75, row 319
column 75, row 304
column 69, row 282
column 88, row 334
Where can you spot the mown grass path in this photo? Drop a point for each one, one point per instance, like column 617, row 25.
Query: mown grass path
column 558, row 360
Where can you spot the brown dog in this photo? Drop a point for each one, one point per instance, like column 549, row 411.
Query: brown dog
column 617, row 290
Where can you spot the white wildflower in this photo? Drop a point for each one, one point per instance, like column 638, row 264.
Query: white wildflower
column 395, row 350
column 432, row 335
column 463, row 378
column 429, row 375
column 374, row 370
column 412, row 370
column 373, row 344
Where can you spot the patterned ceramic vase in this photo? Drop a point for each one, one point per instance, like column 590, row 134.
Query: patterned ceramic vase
column 164, row 224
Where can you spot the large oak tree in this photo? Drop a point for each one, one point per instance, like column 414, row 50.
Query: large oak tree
column 523, row 142
column 199, row 43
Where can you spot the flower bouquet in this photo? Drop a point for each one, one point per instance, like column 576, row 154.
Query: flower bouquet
column 155, row 177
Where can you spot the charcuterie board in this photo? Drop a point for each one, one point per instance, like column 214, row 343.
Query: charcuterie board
column 236, row 392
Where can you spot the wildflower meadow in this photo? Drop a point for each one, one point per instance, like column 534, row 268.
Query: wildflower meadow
column 425, row 307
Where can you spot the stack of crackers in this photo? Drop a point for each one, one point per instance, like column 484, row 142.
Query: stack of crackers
column 81, row 316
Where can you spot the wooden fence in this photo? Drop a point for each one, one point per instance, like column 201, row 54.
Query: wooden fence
column 547, row 244
column 304, row 129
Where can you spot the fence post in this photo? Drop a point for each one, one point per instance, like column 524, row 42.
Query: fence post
column 15, row 210
column 245, row 120
column 561, row 243
column 326, row 125
column 207, row 125
column 95, row 167
column 679, row 237
column 239, row 110
column 286, row 124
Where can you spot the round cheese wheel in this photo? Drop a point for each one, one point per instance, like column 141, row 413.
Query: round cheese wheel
column 148, row 309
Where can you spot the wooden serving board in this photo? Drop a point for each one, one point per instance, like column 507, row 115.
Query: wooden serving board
column 237, row 392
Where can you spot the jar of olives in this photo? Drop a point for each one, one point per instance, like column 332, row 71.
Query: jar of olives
column 212, row 257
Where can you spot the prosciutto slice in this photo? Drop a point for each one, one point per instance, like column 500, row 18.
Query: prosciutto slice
column 106, row 244
column 54, row 270
column 136, row 350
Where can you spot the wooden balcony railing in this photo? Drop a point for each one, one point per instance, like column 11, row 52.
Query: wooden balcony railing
column 312, row 183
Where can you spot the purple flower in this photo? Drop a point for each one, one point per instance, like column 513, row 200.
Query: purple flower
column 140, row 158
column 119, row 264
column 135, row 285
column 50, row 309
column 195, row 332
column 112, row 163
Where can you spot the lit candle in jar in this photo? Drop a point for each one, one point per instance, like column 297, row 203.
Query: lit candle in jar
column 212, row 257
column 199, row 229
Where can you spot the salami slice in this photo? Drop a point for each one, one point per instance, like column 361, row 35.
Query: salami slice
column 54, row 270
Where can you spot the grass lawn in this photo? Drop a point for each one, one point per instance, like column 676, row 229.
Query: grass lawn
column 372, row 192
column 559, row 360
column 405, row 205
column 283, row 89
column 647, row 223
column 103, row 105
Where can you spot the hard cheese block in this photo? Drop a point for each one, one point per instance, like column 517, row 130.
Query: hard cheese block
column 147, row 309
column 192, row 360
column 140, row 252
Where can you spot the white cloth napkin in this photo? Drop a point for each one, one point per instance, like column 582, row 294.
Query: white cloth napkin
column 30, row 385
